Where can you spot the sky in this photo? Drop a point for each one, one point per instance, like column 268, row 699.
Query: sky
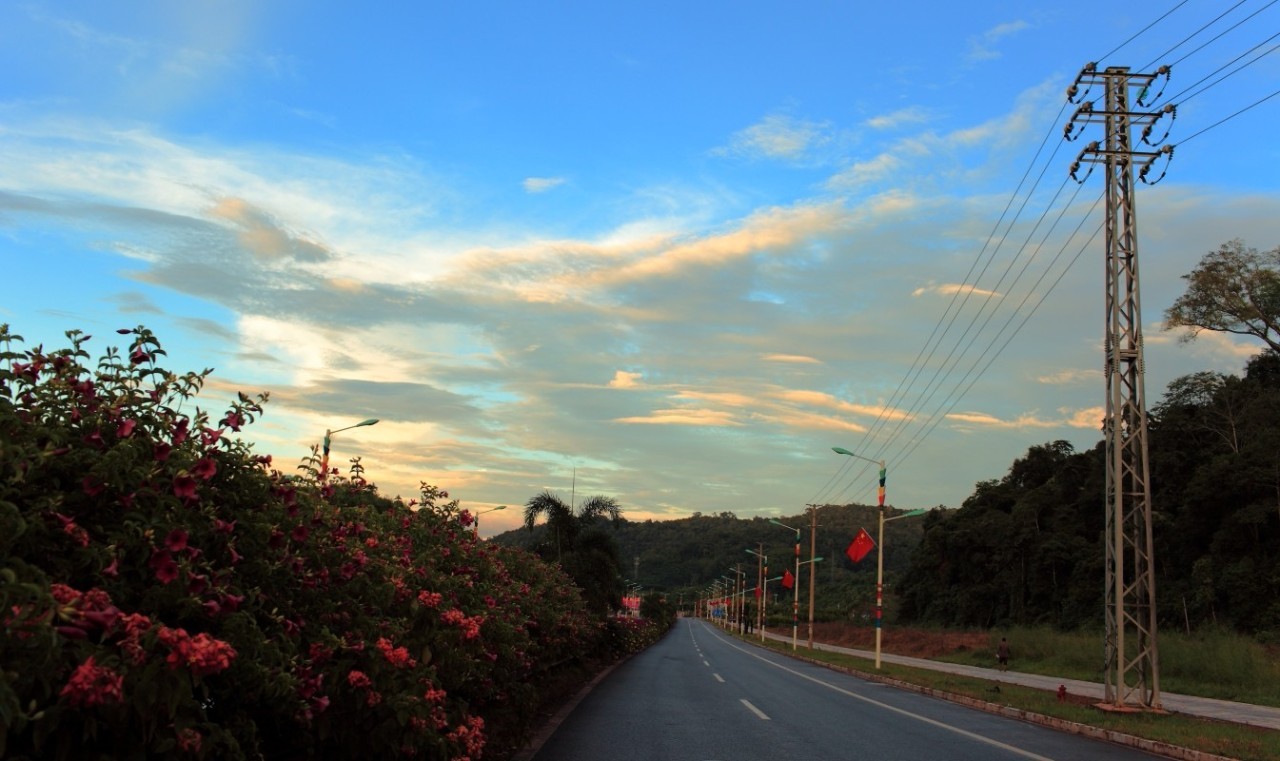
column 666, row 252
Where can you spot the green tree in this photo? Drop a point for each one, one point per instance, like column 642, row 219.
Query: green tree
column 589, row 555
column 1232, row 290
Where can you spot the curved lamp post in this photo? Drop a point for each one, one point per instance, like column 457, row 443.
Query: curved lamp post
column 879, row 543
column 476, row 525
column 795, row 585
column 328, row 434
column 739, row 594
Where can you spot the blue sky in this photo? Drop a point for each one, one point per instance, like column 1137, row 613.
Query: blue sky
column 667, row 252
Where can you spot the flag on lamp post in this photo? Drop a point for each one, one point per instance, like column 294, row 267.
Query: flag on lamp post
column 788, row 581
column 860, row 546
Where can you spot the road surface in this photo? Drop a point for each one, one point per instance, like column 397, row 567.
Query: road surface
column 700, row 696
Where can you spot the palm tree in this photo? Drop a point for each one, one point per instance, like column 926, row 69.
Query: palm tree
column 561, row 521
column 587, row 554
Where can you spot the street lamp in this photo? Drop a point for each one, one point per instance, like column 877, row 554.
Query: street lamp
column 879, row 543
column 476, row 525
column 721, row 586
column 739, row 593
column 328, row 434
column 795, row 585
column 762, row 570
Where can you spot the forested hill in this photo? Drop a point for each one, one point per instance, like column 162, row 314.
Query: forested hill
column 687, row 554
column 1028, row 548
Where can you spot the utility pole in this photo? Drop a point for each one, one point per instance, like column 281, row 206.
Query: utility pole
column 1131, row 656
column 813, row 572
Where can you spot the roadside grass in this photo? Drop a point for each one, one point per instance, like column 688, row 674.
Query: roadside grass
column 1237, row 741
column 1210, row 664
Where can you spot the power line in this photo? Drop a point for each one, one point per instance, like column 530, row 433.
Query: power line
column 1142, row 31
column 961, row 297
column 1229, row 118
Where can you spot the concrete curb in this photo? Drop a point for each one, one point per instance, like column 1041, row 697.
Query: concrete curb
column 1151, row 746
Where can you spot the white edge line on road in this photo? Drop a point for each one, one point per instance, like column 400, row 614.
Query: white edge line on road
column 886, row 706
column 707, row 664
column 719, row 678
column 753, row 709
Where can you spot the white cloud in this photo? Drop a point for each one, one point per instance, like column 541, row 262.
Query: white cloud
column 982, row 47
column 864, row 172
column 912, row 115
column 1070, row 376
column 950, row 289
column 542, row 184
column 624, row 379
column 1088, row 417
column 777, row 137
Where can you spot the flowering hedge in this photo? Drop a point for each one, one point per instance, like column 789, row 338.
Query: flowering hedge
column 165, row 592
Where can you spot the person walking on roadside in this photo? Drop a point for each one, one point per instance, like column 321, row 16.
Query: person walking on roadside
column 1002, row 654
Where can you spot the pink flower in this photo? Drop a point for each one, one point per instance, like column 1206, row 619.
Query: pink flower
column 112, row 571
column 189, row 740
column 160, row 452
column 139, row 356
column 126, row 428
column 396, row 656
column 233, row 420
column 92, row 485
column 299, row 533
column 176, row 540
column 202, row 654
column 162, row 565
column 184, row 488
column 92, row 685
column 359, row 679
column 180, row 431
column 205, row 468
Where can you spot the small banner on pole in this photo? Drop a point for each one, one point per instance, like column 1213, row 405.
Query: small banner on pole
column 860, row 546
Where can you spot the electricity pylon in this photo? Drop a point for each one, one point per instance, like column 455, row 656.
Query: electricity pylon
column 1131, row 657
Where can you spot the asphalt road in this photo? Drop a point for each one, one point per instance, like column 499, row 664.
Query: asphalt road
column 699, row 696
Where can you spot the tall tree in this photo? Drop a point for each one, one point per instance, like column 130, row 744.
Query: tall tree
column 1232, row 290
column 588, row 555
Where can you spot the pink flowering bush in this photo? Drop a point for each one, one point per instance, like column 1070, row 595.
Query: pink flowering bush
column 166, row 592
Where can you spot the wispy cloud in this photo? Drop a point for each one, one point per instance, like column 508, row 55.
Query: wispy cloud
column 777, row 137
column 1070, row 376
column 950, row 289
column 542, row 184
column 794, row 359
column 912, row 115
column 1089, row 417
column 694, row 417
column 864, row 172
column 624, row 379
column 983, row 47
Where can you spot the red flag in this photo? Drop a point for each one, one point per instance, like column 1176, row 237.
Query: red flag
column 788, row 581
column 757, row 591
column 860, row 546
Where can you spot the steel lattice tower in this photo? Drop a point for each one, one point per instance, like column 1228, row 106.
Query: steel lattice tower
column 1131, row 657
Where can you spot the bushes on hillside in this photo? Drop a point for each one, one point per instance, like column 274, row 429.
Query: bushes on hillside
column 166, row 592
